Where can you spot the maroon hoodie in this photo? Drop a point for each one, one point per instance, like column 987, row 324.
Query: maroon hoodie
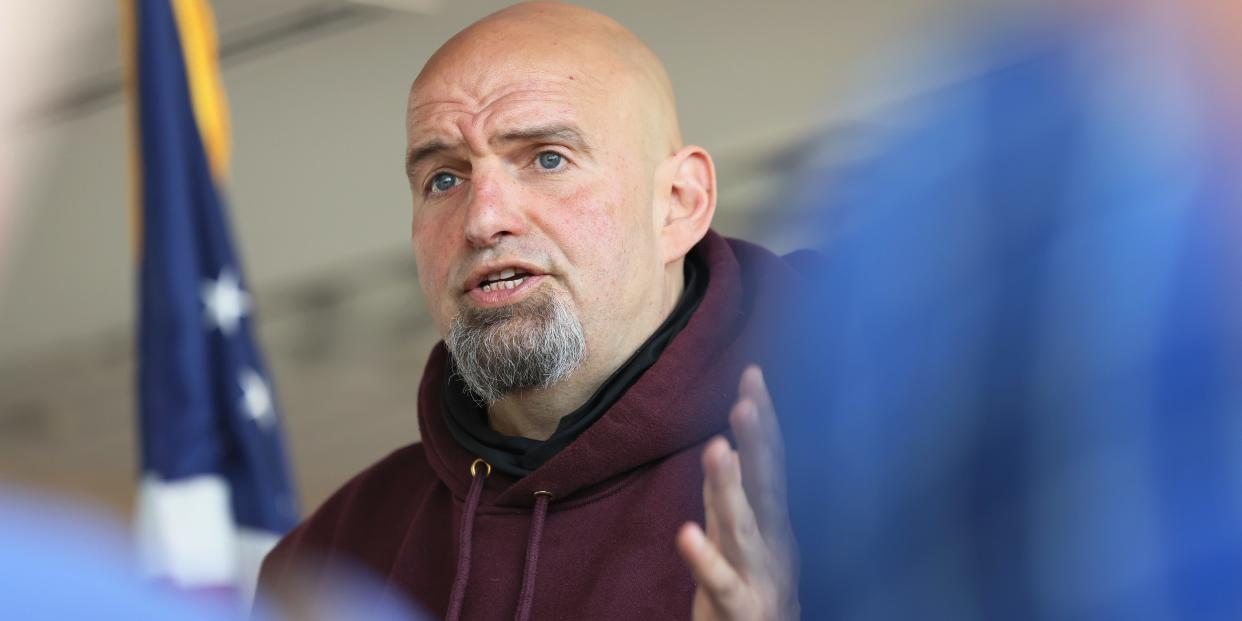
column 587, row 535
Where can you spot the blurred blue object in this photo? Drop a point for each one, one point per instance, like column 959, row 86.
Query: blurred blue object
column 62, row 562
column 1027, row 394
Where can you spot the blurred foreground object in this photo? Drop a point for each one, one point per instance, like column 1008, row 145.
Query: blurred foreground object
column 63, row 561
column 54, row 546
column 39, row 41
column 1030, row 342
column 216, row 492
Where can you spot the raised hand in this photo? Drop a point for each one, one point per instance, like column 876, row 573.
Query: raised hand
column 746, row 564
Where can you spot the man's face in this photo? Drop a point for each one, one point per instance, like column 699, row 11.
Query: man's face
column 532, row 177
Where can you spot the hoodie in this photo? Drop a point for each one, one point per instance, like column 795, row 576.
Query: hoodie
column 589, row 534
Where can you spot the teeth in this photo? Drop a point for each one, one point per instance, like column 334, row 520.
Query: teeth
column 503, row 284
column 508, row 272
column 497, row 280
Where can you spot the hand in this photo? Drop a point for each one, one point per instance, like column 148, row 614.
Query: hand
column 746, row 565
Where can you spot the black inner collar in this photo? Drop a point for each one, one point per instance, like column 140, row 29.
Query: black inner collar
column 467, row 420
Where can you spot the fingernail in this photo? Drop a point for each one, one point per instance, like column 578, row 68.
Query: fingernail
column 751, row 411
column 695, row 535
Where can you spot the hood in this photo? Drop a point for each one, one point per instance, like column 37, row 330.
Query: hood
column 679, row 402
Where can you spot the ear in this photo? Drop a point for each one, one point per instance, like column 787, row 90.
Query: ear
column 689, row 197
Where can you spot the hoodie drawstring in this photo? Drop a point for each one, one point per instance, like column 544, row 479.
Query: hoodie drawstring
column 527, row 597
column 467, row 532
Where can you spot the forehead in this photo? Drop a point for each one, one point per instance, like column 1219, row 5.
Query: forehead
column 491, row 89
column 447, row 107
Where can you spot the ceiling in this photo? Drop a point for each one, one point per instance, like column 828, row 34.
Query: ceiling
column 78, row 68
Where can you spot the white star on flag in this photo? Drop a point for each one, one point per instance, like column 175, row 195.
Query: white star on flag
column 256, row 397
column 225, row 300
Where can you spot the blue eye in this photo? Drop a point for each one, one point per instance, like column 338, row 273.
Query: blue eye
column 443, row 182
column 550, row 160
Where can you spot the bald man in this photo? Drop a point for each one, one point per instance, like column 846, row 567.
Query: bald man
column 595, row 330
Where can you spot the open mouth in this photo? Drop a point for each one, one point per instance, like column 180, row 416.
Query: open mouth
column 507, row 278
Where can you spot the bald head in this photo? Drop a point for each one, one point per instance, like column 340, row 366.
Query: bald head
column 558, row 41
column 545, row 163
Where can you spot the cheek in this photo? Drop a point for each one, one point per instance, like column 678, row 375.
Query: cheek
column 433, row 257
column 601, row 230
column 591, row 226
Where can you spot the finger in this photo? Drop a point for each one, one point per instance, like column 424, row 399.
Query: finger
column 762, row 453
column 738, row 538
column 753, row 386
column 761, row 473
column 713, row 574
column 709, row 509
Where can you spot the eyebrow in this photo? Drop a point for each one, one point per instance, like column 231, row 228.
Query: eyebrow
column 556, row 132
column 423, row 152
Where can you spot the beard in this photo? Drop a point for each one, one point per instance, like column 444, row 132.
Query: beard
column 527, row 345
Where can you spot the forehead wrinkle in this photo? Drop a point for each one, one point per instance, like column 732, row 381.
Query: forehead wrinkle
column 478, row 121
column 482, row 97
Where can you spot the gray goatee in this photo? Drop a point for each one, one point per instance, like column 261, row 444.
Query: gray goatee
column 530, row 344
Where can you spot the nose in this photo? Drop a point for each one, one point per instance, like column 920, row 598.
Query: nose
column 494, row 210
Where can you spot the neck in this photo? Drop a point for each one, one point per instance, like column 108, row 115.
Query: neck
column 535, row 414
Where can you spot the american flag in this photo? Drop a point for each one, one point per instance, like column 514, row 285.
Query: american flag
column 215, row 493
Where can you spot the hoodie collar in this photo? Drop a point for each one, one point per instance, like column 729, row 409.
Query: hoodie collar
column 681, row 400
column 466, row 418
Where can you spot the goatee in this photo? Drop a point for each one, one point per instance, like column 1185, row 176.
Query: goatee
column 530, row 344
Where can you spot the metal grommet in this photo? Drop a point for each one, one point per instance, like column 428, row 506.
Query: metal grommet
column 474, row 465
column 544, row 493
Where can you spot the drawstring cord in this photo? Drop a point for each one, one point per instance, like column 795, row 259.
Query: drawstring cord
column 467, row 532
column 527, row 597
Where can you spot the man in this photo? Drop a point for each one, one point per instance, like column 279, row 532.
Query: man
column 594, row 333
